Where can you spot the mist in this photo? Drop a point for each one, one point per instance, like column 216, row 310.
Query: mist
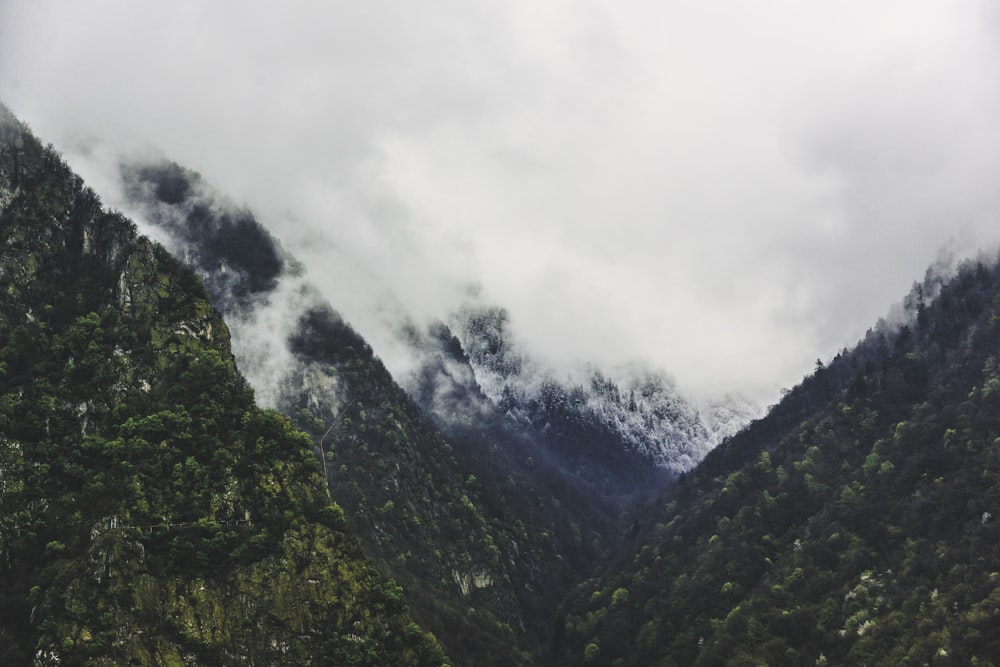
column 723, row 190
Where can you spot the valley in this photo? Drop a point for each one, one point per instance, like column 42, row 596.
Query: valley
column 203, row 462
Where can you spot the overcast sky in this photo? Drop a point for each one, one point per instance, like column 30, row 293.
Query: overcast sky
column 725, row 189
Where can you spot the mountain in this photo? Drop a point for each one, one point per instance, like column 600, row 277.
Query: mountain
column 534, row 474
column 854, row 524
column 639, row 408
column 613, row 439
column 150, row 512
column 484, row 531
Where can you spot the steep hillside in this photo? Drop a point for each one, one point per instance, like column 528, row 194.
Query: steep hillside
column 150, row 513
column 486, row 540
column 854, row 525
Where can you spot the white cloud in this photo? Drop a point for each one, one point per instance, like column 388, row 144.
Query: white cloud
column 726, row 189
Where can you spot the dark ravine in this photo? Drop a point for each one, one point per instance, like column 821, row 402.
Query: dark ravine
column 150, row 513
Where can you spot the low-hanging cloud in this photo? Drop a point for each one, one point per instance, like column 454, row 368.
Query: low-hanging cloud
column 727, row 190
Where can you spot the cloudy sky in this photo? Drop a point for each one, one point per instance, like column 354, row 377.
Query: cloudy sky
column 727, row 190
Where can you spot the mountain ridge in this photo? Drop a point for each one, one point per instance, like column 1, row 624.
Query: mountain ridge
column 517, row 533
column 532, row 517
column 851, row 525
column 152, row 514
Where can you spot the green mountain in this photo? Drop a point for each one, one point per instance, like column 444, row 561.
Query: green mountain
column 488, row 511
column 854, row 525
column 150, row 512
column 486, row 534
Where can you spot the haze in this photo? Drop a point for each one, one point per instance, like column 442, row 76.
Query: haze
column 725, row 190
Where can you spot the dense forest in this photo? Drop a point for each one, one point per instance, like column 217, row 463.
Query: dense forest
column 150, row 513
column 852, row 525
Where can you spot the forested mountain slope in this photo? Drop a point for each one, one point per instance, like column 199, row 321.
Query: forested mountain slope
column 854, row 525
column 485, row 535
column 150, row 513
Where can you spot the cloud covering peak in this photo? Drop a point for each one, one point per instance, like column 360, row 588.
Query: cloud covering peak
column 728, row 190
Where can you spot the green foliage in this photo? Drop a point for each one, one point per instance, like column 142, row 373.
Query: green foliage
column 151, row 513
column 854, row 525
